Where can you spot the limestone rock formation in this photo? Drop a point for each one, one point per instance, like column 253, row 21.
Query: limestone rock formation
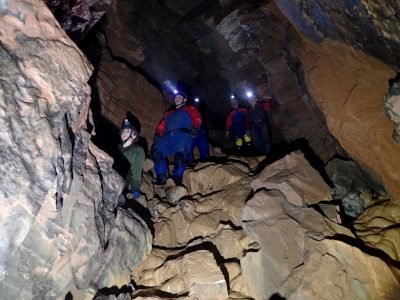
column 377, row 227
column 336, row 270
column 206, row 178
column 352, row 104
column 122, row 90
column 58, row 191
column 296, row 179
column 78, row 17
column 353, row 187
column 265, row 242
column 392, row 109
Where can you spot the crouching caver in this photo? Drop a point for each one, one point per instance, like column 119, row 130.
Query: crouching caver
column 173, row 139
column 134, row 155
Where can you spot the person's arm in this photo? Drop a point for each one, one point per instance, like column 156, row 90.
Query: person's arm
column 136, row 162
column 161, row 127
column 229, row 120
column 271, row 103
column 195, row 116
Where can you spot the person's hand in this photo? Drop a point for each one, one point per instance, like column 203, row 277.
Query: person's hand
column 132, row 195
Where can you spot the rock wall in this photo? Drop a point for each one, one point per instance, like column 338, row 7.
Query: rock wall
column 59, row 225
column 349, row 87
column 367, row 26
column 122, row 90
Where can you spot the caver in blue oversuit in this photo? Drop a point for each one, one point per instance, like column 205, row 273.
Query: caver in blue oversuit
column 174, row 139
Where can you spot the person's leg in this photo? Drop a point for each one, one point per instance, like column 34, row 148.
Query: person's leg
column 266, row 139
column 189, row 155
column 160, row 155
column 179, row 167
column 256, row 135
column 202, row 144
column 181, row 146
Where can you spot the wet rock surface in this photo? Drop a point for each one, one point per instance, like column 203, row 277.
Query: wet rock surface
column 353, row 106
column 122, row 90
column 353, row 187
column 392, row 109
column 59, row 230
column 255, row 240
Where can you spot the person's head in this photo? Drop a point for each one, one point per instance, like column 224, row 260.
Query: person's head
column 128, row 131
column 252, row 100
column 234, row 103
column 180, row 99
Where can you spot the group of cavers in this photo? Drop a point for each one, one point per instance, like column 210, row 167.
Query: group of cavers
column 182, row 129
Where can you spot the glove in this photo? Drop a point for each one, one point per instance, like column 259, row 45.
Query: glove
column 228, row 134
column 247, row 138
column 132, row 195
column 193, row 132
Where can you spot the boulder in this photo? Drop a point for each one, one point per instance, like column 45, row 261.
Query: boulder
column 195, row 273
column 336, row 270
column 206, row 178
column 295, row 178
column 303, row 255
column 354, row 187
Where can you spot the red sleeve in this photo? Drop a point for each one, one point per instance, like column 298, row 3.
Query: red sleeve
column 229, row 119
column 194, row 115
column 270, row 104
column 163, row 123
column 161, row 127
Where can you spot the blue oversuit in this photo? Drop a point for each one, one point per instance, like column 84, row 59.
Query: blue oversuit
column 175, row 139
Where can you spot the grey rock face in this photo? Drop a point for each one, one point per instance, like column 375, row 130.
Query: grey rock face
column 366, row 25
column 392, row 109
column 353, row 186
column 58, row 192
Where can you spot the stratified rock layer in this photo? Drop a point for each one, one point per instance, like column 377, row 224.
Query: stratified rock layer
column 122, row 90
column 349, row 86
column 58, row 191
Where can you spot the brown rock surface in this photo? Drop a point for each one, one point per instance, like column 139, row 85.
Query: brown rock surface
column 206, row 178
column 123, row 90
column 300, row 263
column 176, row 226
column 122, row 42
column 58, row 190
column 335, row 270
column 295, row 178
column 196, row 273
column 265, row 245
column 273, row 222
column 377, row 226
column 349, row 86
